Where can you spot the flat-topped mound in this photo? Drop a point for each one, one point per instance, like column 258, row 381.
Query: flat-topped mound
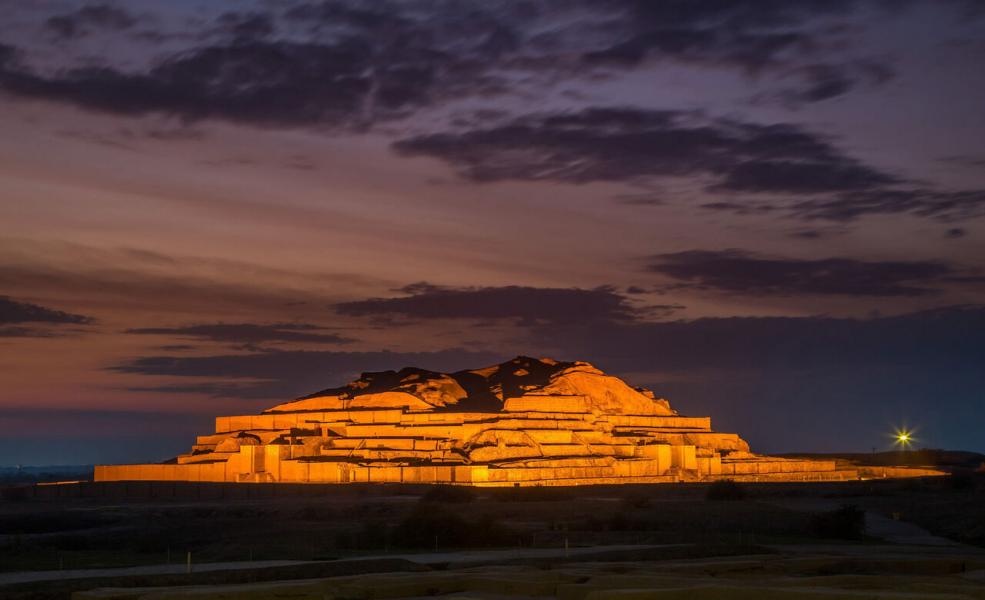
column 526, row 421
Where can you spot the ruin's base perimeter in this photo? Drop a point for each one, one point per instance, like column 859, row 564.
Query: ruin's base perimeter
column 604, row 471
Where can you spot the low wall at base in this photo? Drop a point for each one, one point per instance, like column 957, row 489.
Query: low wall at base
column 796, row 476
column 213, row 472
column 764, row 467
column 298, row 473
column 898, row 472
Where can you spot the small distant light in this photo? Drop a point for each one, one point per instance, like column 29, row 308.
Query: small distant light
column 904, row 438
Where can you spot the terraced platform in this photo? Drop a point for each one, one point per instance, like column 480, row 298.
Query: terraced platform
column 520, row 423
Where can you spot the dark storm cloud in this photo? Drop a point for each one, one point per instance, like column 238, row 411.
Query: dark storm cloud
column 645, row 199
column 804, row 175
column 528, row 304
column 367, row 66
column 276, row 83
column 750, row 35
column 24, row 332
column 13, row 314
column 12, row 311
column 823, row 81
column 90, row 17
column 353, row 64
column 365, row 17
column 779, row 176
column 733, row 14
column 742, row 272
column 940, row 205
column 287, row 374
column 741, row 207
column 816, row 233
column 936, row 204
column 781, row 39
column 629, row 144
column 969, row 9
column 748, row 51
column 8, row 55
column 249, row 333
column 246, row 26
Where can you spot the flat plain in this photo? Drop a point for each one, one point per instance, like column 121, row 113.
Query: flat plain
column 75, row 539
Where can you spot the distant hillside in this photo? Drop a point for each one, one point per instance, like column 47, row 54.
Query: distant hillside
column 925, row 457
column 9, row 475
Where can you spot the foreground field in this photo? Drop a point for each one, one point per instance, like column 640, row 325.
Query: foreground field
column 663, row 522
column 754, row 577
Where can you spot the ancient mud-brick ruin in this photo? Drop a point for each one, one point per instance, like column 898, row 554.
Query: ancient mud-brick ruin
column 524, row 422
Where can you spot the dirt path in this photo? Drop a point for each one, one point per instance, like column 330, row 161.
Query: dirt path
column 426, row 558
column 877, row 525
column 900, row 532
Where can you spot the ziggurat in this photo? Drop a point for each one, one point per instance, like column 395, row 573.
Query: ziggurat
column 521, row 423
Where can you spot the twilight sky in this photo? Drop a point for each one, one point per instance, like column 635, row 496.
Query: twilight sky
column 768, row 211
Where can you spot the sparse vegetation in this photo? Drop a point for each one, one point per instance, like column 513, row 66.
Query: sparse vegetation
column 450, row 494
column 531, row 494
column 426, row 528
column 637, row 501
column 725, row 490
column 14, row 493
column 352, row 520
column 846, row 523
column 963, row 480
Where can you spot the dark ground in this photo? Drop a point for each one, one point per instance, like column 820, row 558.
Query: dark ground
column 357, row 520
column 92, row 525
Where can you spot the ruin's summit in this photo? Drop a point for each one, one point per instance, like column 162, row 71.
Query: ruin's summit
column 538, row 382
column 523, row 422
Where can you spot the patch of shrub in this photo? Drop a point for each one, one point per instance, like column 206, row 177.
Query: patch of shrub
column 316, row 512
column 247, row 512
column 531, row 494
column 53, row 521
column 915, row 484
column 428, row 528
column 845, row 523
column 71, row 542
column 621, row 522
column 636, row 501
column 451, row 494
column 14, row 493
column 372, row 535
column 962, row 480
column 725, row 490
